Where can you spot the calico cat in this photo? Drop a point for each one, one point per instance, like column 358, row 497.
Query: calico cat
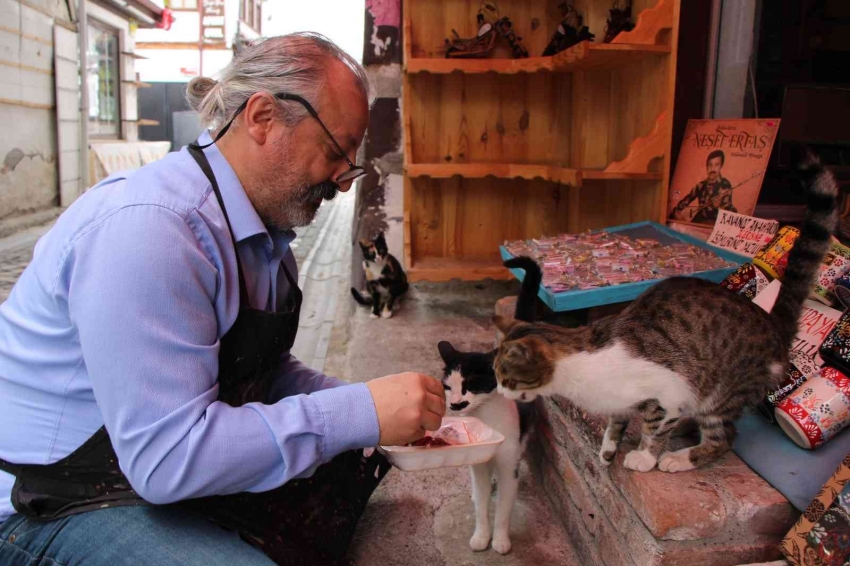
column 470, row 385
column 385, row 279
column 686, row 347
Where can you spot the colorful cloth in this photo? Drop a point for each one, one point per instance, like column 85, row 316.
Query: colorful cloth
column 835, row 348
column 818, row 410
column 821, row 536
column 834, row 265
column 773, row 258
column 747, row 280
column 799, row 369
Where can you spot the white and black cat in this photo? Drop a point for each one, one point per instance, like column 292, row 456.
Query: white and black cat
column 470, row 385
column 685, row 347
column 386, row 281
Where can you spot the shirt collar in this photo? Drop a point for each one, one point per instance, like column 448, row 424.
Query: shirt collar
column 244, row 220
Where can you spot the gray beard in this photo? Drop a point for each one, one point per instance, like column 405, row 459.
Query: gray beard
column 299, row 208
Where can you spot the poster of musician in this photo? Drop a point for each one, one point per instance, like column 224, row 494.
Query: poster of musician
column 721, row 166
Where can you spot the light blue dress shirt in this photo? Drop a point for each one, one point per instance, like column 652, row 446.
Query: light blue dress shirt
column 117, row 321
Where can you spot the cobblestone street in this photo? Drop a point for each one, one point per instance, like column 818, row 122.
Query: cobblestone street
column 15, row 254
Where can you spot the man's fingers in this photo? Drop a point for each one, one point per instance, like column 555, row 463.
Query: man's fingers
column 435, row 404
column 434, row 386
column 431, row 421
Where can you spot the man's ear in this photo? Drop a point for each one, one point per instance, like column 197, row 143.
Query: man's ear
column 260, row 115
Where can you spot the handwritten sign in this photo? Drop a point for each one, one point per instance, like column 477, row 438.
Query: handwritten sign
column 741, row 234
column 815, row 321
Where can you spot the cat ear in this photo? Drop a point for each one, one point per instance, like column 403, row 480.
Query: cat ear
column 447, row 351
column 380, row 237
column 503, row 326
column 517, row 349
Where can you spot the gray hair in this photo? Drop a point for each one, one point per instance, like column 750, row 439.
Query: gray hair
column 294, row 63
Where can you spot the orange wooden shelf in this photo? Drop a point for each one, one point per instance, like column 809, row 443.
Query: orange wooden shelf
column 562, row 175
column 501, row 170
column 445, row 269
column 585, row 55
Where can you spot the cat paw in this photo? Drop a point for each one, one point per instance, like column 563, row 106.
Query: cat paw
column 678, row 461
column 387, row 314
column 479, row 541
column 373, row 315
column 501, row 544
column 639, row 460
column 607, row 452
column 606, row 457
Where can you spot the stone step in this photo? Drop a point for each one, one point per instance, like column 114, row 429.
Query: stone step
column 720, row 515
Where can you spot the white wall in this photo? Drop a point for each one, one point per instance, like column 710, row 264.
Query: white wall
column 342, row 21
column 185, row 29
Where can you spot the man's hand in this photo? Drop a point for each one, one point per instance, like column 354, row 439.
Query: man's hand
column 408, row 404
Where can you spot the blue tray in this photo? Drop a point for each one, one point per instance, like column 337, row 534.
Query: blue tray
column 574, row 300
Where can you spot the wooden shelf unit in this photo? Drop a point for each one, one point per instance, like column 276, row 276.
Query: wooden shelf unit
column 501, row 149
column 580, row 57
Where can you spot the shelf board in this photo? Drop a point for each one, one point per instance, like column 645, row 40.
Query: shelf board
column 600, row 174
column 562, row 175
column 440, row 269
column 137, row 84
column 585, row 55
column 500, row 170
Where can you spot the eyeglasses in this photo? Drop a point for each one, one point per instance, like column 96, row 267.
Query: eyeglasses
column 354, row 172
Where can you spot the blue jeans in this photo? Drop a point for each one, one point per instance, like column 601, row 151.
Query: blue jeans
column 132, row 536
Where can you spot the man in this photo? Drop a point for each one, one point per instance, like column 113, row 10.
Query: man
column 147, row 393
column 712, row 194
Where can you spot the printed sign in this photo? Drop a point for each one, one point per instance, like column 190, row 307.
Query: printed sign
column 742, row 234
column 815, row 322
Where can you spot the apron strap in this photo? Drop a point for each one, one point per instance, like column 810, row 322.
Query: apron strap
column 204, row 164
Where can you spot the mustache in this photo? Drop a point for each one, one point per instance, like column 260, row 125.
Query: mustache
column 326, row 190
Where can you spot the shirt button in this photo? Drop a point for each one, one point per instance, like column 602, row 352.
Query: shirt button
column 13, row 538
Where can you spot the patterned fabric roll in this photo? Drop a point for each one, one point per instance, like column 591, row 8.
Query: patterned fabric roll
column 816, row 411
column 842, row 290
column 835, row 264
column 747, row 280
column 835, row 349
column 821, row 535
column 800, row 368
column 773, row 258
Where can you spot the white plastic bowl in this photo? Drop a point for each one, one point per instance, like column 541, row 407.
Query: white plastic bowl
column 413, row 458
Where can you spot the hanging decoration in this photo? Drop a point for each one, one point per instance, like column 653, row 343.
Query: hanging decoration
column 569, row 32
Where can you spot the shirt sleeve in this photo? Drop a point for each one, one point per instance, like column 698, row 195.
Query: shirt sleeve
column 141, row 294
column 295, row 378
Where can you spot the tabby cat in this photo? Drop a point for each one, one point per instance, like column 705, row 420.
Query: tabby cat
column 686, row 347
column 386, row 281
column 470, row 385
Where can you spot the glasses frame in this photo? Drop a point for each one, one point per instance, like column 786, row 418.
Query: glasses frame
column 354, row 171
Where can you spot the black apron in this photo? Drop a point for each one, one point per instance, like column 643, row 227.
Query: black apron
column 309, row 521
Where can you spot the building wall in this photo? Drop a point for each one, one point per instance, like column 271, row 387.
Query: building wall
column 29, row 167
column 28, row 174
column 380, row 193
column 183, row 61
column 127, row 44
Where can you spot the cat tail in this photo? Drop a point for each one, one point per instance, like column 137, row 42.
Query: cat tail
column 820, row 222
column 526, row 304
column 365, row 301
